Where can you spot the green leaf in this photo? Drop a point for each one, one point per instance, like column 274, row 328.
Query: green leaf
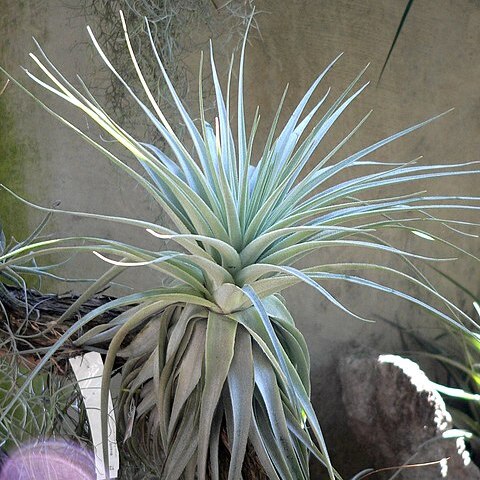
column 240, row 387
column 265, row 379
column 189, row 373
column 219, row 351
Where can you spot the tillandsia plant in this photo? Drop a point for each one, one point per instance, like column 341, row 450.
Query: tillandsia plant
column 51, row 403
column 50, row 406
column 216, row 354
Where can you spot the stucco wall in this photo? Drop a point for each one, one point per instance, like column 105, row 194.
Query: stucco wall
column 435, row 66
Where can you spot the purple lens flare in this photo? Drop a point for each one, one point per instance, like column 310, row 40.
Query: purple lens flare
column 49, row 460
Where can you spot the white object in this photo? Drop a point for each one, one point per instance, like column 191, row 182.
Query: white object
column 88, row 370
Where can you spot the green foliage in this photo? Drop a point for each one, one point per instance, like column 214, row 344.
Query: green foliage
column 216, row 354
column 48, row 405
column 459, row 354
column 27, row 272
column 26, row 419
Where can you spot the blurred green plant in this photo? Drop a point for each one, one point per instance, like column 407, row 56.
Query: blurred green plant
column 50, row 404
column 216, row 354
column 459, row 355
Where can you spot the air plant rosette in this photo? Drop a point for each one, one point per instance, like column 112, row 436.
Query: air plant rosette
column 215, row 358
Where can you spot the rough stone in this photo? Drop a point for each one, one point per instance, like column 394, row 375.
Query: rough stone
column 396, row 415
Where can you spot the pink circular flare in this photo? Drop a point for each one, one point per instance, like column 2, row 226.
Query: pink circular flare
column 49, row 460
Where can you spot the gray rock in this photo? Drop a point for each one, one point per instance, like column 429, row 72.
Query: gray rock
column 398, row 418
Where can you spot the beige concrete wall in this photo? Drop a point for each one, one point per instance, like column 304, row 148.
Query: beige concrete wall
column 435, row 66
